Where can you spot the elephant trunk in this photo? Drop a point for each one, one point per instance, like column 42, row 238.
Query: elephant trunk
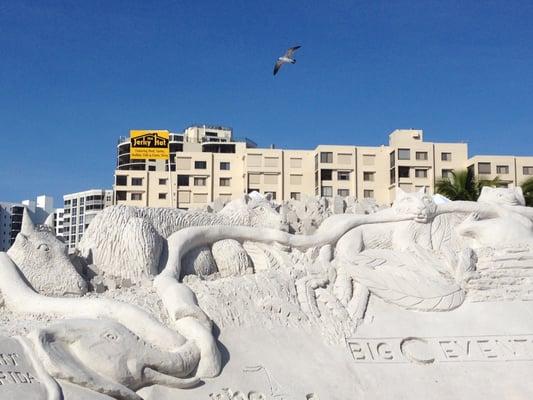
column 180, row 363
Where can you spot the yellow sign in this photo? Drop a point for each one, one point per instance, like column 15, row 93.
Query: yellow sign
column 149, row 144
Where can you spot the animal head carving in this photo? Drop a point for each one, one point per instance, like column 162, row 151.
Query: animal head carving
column 43, row 260
column 84, row 350
column 503, row 196
column 255, row 210
column 414, row 203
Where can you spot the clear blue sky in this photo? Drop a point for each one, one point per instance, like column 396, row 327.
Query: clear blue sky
column 76, row 75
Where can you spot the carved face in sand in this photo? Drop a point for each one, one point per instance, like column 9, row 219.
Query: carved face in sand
column 84, row 351
column 503, row 196
column 44, row 262
column 418, row 203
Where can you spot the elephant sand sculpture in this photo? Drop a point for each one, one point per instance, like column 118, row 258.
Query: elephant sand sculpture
column 106, row 357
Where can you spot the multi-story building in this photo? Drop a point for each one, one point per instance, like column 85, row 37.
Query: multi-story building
column 11, row 217
column 79, row 210
column 10, row 223
column 58, row 221
column 511, row 170
column 208, row 163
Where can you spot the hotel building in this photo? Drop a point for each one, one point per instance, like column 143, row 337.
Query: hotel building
column 207, row 162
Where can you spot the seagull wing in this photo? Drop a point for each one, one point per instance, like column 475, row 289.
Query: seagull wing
column 277, row 66
column 291, row 51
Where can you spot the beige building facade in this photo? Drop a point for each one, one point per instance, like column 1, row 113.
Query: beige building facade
column 208, row 162
column 511, row 170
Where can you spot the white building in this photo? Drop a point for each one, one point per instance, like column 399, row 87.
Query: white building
column 10, row 223
column 79, row 210
column 58, row 221
column 11, row 217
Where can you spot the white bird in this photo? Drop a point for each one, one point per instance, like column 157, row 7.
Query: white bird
column 287, row 58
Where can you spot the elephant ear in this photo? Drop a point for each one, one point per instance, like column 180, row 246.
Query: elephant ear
column 408, row 281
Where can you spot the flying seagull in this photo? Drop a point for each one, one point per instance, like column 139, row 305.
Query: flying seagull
column 287, row 58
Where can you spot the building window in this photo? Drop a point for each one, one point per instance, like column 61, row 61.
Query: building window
column 225, row 181
column 326, row 174
column 404, row 154
column 136, row 181
column 502, row 169
column 121, row 195
column 295, row 179
column 182, row 163
column 446, row 156
column 162, row 196
column 254, row 160
column 343, row 192
column 296, row 195
column 326, row 157
column 200, row 165
column 136, row 196
column 271, row 161
column 254, row 179
column 392, row 176
column 272, row 195
column 200, row 198
column 421, row 173
column 200, row 181
column 295, row 163
column 422, row 155
column 224, row 166
column 483, row 168
column 327, row 191
column 403, row 172
column 162, row 181
column 183, row 180
column 345, row 159
column 343, row 176
column 368, row 194
column 527, row 170
column 120, row 180
column 270, row 179
column 392, row 159
column 369, row 159
column 447, row 173
column 368, row 176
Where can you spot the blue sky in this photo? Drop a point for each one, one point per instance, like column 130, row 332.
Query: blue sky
column 76, row 75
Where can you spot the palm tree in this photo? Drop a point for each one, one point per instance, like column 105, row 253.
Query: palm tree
column 463, row 185
column 527, row 189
